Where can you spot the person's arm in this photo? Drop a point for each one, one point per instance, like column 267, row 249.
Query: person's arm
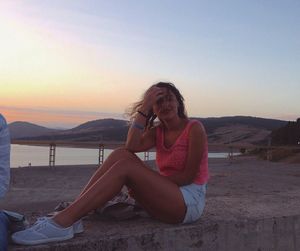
column 4, row 157
column 197, row 141
column 139, row 140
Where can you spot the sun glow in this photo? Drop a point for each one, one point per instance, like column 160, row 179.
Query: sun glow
column 96, row 56
column 45, row 66
column 28, row 55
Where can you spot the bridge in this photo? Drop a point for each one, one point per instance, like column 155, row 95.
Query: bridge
column 230, row 148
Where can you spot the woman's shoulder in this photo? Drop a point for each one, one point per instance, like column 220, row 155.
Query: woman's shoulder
column 195, row 122
column 196, row 125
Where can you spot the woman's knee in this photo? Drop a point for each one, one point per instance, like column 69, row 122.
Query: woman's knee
column 123, row 153
column 126, row 165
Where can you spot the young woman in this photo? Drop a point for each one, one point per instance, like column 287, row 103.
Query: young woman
column 175, row 194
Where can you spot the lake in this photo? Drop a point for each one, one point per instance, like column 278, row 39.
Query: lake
column 22, row 155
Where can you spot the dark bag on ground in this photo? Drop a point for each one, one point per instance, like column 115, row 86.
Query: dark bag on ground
column 17, row 222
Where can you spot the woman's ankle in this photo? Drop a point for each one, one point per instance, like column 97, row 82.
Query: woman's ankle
column 63, row 222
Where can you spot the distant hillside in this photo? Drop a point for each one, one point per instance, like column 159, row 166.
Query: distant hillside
column 21, row 129
column 97, row 130
column 211, row 124
column 288, row 134
column 100, row 124
column 240, row 129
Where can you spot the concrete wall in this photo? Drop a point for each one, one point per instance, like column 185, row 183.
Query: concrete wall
column 276, row 234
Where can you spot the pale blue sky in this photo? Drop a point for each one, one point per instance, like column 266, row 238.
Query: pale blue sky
column 227, row 57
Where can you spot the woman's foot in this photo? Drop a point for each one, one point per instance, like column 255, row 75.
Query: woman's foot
column 77, row 226
column 43, row 231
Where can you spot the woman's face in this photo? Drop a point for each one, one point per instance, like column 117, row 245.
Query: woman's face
column 166, row 106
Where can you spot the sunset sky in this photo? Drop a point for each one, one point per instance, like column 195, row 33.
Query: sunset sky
column 64, row 62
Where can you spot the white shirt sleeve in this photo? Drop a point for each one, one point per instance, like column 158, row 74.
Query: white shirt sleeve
column 4, row 156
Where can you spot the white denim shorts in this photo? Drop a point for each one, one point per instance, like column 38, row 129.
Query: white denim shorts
column 194, row 198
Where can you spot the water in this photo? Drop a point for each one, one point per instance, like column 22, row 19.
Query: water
column 22, row 155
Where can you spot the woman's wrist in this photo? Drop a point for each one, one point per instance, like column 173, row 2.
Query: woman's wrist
column 138, row 126
column 144, row 111
column 145, row 115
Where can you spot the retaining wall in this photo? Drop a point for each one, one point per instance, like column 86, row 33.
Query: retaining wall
column 276, row 234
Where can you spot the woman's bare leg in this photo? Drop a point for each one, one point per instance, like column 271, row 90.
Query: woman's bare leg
column 115, row 156
column 160, row 197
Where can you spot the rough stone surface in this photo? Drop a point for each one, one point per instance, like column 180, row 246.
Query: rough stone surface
column 251, row 205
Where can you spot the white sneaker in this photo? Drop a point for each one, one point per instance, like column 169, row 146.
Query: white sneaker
column 77, row 226
column 43, row 232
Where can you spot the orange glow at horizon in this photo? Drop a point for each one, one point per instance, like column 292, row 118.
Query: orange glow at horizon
column 52, row 118
column 62, row 64
column 38, row 117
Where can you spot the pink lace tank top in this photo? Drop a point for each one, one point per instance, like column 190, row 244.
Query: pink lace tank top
column 172, row 160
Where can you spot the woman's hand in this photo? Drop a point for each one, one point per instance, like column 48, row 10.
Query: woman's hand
column 150, row 98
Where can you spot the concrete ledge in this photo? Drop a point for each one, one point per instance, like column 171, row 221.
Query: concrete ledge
column 278, row 234
column 251, row 205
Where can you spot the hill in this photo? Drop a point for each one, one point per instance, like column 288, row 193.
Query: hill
column 21, row 129
column 289, row 134
column 100, row 124
column 97, row 130
column 236, row 129
column 240, row 129
column 211, row 124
